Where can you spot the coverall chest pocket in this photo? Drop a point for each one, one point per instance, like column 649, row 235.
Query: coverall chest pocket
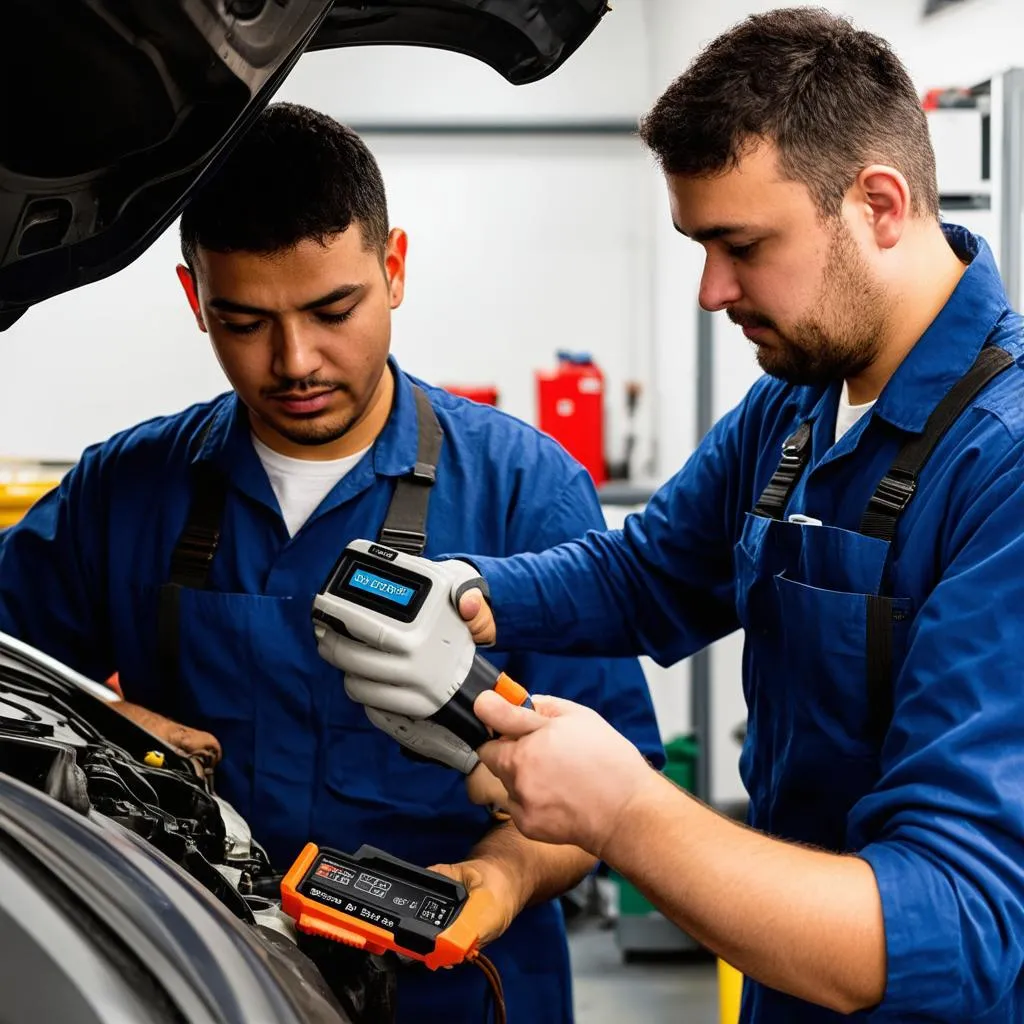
column 843, row 650
column 367, row 771
column 812, row 610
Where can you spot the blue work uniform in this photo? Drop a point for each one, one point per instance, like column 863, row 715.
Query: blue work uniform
column 81, row 578
column 922, row 777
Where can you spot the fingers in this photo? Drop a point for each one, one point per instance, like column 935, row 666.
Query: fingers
column 551, row 707
column 477, row 614
column 507, row 719
column 400, row 700
column 358, row 659
column 195, row 743
column 484, row 789
column 374, row 635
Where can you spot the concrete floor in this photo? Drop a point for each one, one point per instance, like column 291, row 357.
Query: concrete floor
column 609, row 991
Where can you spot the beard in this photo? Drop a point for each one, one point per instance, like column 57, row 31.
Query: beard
column 842, row 337
column 316, row 432
column 318, row 428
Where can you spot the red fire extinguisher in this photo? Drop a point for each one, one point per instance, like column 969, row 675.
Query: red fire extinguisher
column 486, row 394
column 570, row 406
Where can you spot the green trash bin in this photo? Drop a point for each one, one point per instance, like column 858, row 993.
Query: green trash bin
column 639, row 928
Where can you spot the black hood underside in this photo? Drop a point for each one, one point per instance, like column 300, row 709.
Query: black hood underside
column 114, row 109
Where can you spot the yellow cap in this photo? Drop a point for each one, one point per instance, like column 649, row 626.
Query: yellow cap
column 154, row 759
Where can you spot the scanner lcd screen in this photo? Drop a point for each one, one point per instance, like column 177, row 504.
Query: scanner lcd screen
column 391, row 590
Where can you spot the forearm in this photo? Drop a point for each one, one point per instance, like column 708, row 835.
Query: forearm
column 556, row 601
column 799, row 920
column 535, row 871
column 185, row 740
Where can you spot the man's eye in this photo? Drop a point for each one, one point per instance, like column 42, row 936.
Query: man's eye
column 739, row 252
column 250, row 328
column 336, row 318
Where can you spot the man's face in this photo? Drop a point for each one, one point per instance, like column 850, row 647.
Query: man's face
column 303, row 334
column 800, row 286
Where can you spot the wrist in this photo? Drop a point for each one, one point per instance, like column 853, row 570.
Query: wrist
column 644, row 802
column 507, row 882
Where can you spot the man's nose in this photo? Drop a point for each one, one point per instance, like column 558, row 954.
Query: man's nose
column 719, row 285
column 296, row 353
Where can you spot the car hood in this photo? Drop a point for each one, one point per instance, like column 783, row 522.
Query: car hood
column 115, row 109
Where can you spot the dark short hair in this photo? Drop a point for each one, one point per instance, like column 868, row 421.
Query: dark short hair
column 295, row 174
column 831, row 98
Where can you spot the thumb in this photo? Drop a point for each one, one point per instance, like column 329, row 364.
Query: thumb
column 501, row 716
column 448, row 870
column 470, row 603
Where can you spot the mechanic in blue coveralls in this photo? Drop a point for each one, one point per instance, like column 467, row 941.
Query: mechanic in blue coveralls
column 880, row 585
column 292, row 272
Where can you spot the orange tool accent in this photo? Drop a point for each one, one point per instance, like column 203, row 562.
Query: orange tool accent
column 513, row 692
column 458, row 942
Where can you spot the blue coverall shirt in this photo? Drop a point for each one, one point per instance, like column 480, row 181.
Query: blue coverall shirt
column 79, row 579
column 934, row 802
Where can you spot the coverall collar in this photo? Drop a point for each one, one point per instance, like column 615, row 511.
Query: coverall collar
column 948, row 348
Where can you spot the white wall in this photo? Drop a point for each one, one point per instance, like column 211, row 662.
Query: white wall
column 520, row 245
column 604, row 80
column 957, row 46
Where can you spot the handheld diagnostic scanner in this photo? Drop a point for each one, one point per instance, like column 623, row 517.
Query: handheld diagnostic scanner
column 407, row 606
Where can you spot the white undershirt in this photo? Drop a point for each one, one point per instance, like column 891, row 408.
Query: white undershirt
column 847, row 415
column 301, row 484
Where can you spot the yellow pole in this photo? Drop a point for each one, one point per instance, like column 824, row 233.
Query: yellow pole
column 730, row 988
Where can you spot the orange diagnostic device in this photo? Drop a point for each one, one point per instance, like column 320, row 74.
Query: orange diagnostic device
column 376, row 902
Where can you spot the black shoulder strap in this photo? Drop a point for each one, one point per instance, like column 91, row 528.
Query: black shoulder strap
column 897, row 487
column 191, row 558
column 796, row 451
column 193, row 554
column 891, row 497
column 405, row 526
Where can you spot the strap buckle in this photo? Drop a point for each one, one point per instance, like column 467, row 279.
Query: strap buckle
column 409, row 542
column 894, row 491
column 424, row 473
column 794, row 445
column 198, row 545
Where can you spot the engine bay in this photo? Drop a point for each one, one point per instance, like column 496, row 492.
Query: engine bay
column 61, row 736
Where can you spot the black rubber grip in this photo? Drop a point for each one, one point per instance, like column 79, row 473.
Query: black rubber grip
column 478, row 583
column 457, row 715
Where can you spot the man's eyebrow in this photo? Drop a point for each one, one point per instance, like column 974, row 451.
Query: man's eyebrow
column 342, row 292
column 718, row 231
column 230, row 306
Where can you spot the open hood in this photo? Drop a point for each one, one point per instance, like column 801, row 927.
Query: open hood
column 114, row 109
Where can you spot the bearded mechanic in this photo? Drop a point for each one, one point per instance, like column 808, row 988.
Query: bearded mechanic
column 859, row 516
column 186, row 551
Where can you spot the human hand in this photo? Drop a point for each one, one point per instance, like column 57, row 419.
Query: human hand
column 180, row 738
column 494, row 897
column 569, row 775
column 478, row 615
column 484, row 789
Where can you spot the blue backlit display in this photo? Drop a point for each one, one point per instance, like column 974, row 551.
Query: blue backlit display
column 371, row 583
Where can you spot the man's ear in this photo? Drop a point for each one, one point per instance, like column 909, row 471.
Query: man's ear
column 394, row 265
column 883, row 195
column 188, row 284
